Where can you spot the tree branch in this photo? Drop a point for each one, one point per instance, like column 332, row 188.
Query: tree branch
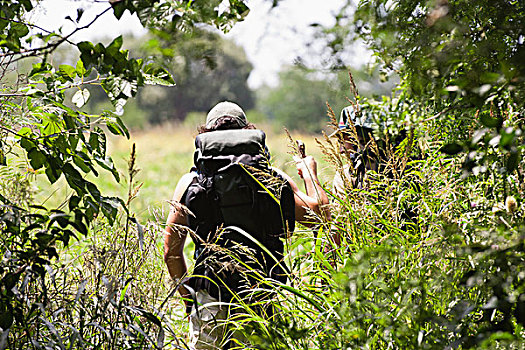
column 80, row 83
column 14, row 95
column 35, row 26
column 52, row 46
column 11, row 131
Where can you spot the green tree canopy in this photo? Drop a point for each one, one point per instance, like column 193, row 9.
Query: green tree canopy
column 450, row 46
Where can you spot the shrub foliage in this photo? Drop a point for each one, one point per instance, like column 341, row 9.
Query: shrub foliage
column 432, row 243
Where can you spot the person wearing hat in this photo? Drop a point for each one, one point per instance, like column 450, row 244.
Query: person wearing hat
column 216, row 199
column 355, row 135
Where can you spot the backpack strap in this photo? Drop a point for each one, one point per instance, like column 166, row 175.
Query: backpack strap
column 185, row 183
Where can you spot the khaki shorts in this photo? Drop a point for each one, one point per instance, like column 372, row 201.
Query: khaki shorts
column 209, row 326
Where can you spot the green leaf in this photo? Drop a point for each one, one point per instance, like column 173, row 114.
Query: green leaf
column 68, row 120
column 73, row 202
column 28, row 6
column 107, row 163
column 46, row 38
column 40, row 68
column 66, row 235
column 10, row 279
column 239, row 7
column 489, row 77
column 93, row 190
column 85, row 46
column 74, row 179
column 490, row 122
column 507, row 137
column 116, row 44
column 125, row 289
column 6, row 318
column 78, row 224
column 18, row 29
column 116, row 126
column 154, row 74
column 92, row 208
column 451, row 148
column 36, row 158
column 81, row 70
column 97, row 141
column 51, row 128
column 87, row 55
column 53, row 171
column 24, row 131
column 67, row 71
column 82, row 161
column 12, row 45
column 27, row 144
column 513, row 161
column 122, row 127
column 119, row 89
column 81, row 97
column 113, row 127
column 94, row 142
column 118, row 8
column 109, row 207
column 60, row 217
column 3, row 158
column 68, row 110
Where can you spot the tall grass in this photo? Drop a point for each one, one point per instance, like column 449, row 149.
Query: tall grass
column 107, row 291
column 422, row 256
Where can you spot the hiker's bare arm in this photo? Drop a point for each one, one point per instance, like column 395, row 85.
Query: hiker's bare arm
column 175, row 235
column 315, row 197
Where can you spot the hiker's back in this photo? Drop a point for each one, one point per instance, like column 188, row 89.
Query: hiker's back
column 239, row 209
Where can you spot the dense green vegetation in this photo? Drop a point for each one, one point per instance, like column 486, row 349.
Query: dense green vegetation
column 432, row 252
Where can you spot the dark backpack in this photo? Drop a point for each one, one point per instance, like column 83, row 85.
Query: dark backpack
column 240, row 209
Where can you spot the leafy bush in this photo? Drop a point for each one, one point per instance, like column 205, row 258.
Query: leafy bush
column 432, row 251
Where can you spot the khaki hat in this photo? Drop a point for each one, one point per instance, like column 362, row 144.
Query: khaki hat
column 226, row 109
column 348, row 114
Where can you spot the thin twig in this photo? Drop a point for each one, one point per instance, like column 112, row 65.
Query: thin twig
column 17, row 94
column 35, row 26
column 77, row 84
column 435, row 116
column 10, row 131
column 53, row 46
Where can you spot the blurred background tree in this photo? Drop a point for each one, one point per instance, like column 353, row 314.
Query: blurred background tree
column 207, row 69
column 298, row 102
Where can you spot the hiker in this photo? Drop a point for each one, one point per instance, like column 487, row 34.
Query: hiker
column 238, row 208
column 355, row 133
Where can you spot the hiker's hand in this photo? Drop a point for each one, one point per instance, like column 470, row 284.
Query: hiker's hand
column 306, row 167
column 186, row 297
